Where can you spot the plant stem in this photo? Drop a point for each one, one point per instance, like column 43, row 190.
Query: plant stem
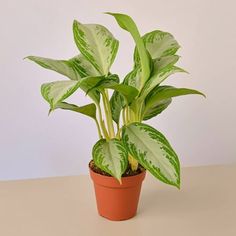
column 133, row 116
column 123, row 116
column 99, row 130
column 108, row 114
column 140, row 112
column 105, row 131
column 118, row 131
column 133, row 163
column 127, row 115
column 103, row 127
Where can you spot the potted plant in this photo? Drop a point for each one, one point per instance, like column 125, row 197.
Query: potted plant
column 127, row 147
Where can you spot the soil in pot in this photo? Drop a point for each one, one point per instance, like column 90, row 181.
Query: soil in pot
column 128, row 172
column 115, row 201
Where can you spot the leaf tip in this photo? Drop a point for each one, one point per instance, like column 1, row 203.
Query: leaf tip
column 50, row 111
column 179, row 69
column 184, row 71
column 75, row 24
column 109, row 13
column 75, row 21
column 29, row 57
column 200, row 93
column 177, row 184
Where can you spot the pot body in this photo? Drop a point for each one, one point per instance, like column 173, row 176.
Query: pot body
column 117, row 201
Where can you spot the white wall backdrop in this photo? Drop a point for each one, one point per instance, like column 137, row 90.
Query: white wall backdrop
column 202, row 131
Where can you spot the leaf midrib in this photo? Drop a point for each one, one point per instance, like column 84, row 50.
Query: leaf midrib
column 110, row 155
column 98, row 49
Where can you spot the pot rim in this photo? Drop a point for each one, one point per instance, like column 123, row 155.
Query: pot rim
column 110, row 181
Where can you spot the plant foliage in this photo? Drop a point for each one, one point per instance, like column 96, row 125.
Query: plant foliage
column 140, row 96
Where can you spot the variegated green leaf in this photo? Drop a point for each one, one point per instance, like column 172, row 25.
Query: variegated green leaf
column 74, row 68
column 117, row 102
column 97, row 44
column 111, row 156
column 162, row 62
column 128, row 92
column 56, row 92
column 158, row 44
column 133, row 78
column 88, row 110
column 163, row 93
column 153, row 151
column 123, row 95
column 106, row 82
column 157, row 108
column 112, row 82
column 158, row 77
column 90, row 82
column 127, row 23
column 120, row 99
column 160, row 98
column 83, row 66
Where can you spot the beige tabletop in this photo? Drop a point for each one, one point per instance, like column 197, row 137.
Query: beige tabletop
column 65, row 206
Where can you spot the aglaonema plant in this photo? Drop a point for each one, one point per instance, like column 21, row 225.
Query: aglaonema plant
column 124, row 140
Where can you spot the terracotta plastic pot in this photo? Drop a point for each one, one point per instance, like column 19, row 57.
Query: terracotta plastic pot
column 115, row 201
